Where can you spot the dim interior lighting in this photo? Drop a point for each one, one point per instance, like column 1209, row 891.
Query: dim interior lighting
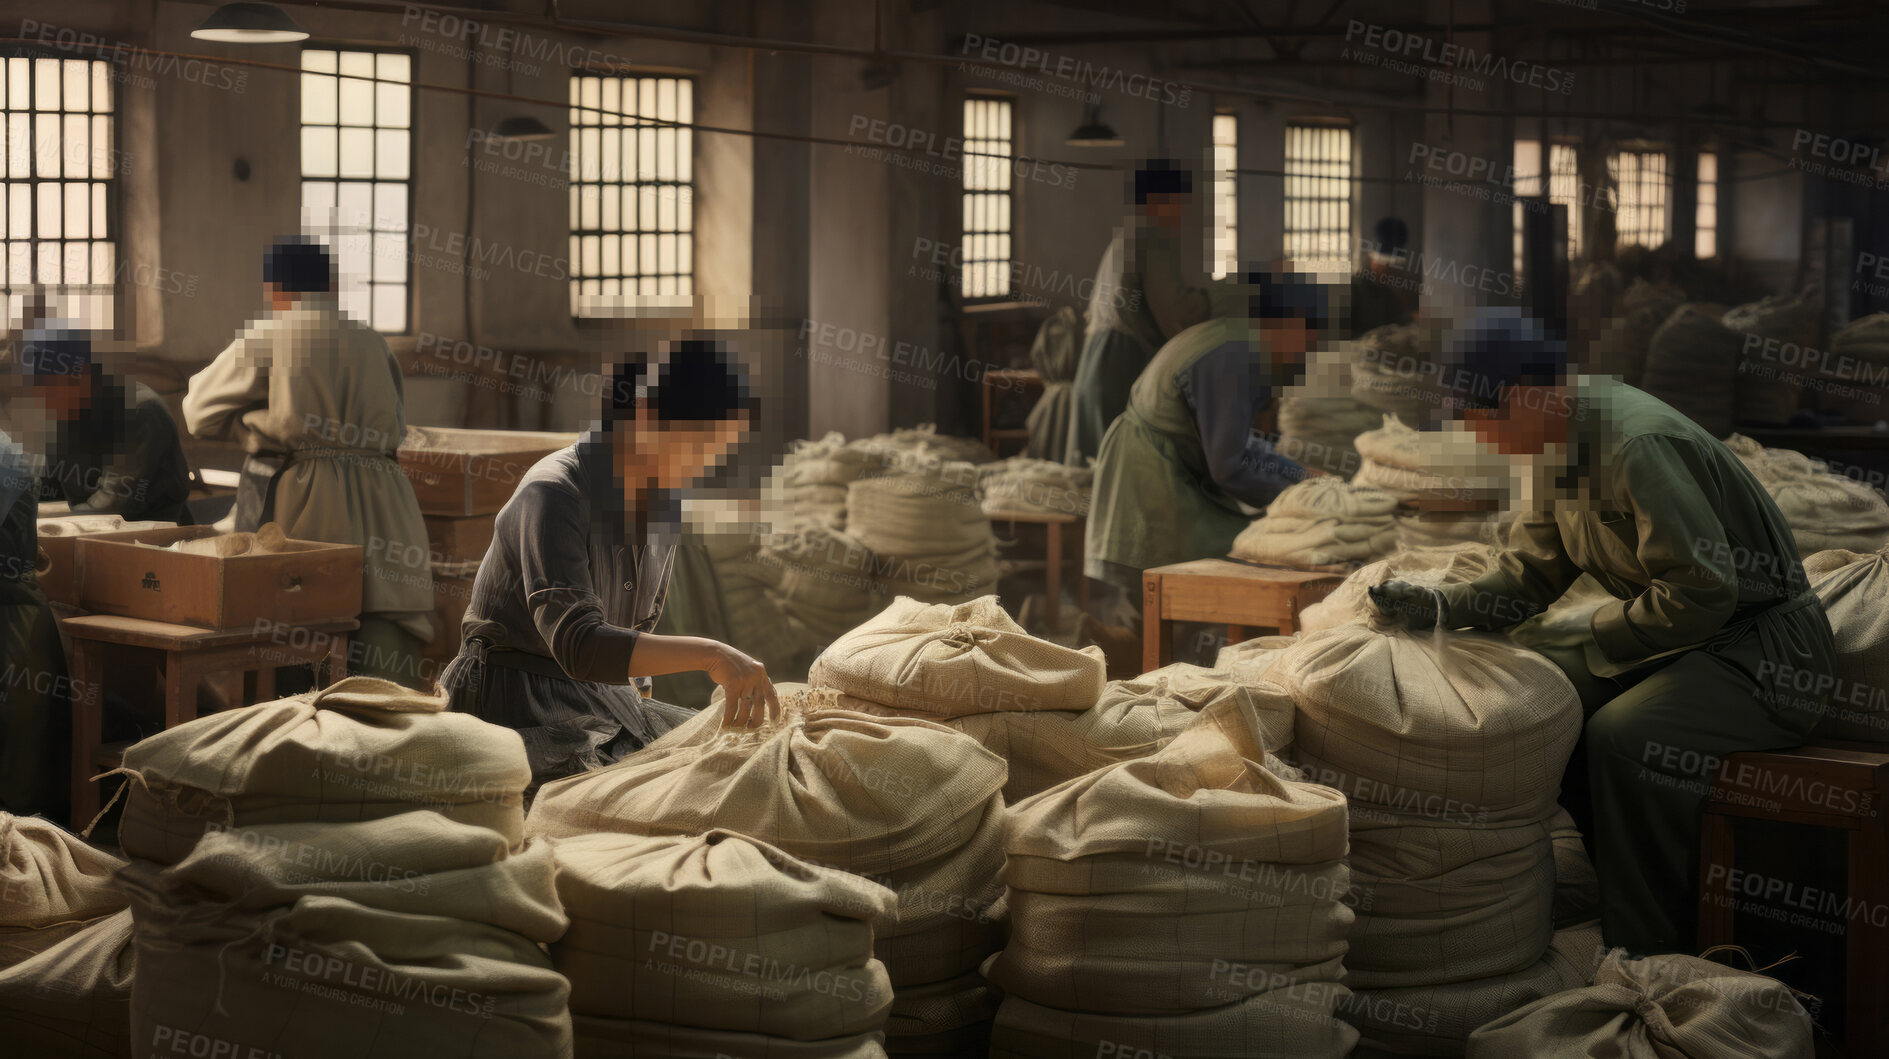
column 249, row 24
column 1094, row 132
column 522, row 127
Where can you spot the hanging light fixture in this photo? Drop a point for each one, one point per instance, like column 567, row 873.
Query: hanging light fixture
column 522, row 127
column 1093, row 132
column 249, row 24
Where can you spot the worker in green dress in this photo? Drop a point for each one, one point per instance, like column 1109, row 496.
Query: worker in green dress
column 1181, row 471
column 1148, row 289
column 1712, row 630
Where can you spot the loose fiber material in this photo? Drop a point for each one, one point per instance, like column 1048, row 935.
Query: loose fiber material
column 720, row 931
column 1429, row 567
column 360, row 750
column 1854, row 588
column 52, row 886
column 1662, row 1007
column 1437, row 1020
column 1478, row 731
column 950, row 661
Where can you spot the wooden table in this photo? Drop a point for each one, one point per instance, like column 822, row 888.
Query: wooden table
column 1244, row 598
column 190, row 655
column 1006, row 379
column 1053, row 524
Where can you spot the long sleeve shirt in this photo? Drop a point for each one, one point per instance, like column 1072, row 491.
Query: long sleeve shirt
column 1226, row 389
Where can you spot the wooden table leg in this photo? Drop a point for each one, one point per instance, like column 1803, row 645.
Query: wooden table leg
column 88, row 725
column 181, row 677
column 1079, row 542
column 265, row 682
column 1054, row 576
column 1156, row 641
column 1716, row 896
column 1866, row 1029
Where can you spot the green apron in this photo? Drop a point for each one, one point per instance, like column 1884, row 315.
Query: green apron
column 1155, row 501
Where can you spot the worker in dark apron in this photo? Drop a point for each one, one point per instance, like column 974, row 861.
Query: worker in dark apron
column 35, row 704
column 1713, row 624
column 558, row 640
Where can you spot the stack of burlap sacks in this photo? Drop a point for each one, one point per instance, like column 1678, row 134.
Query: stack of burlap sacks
column 1692, row 365
column 718, row 943
column 65, row 945
column 1824, row 510
column 1396, row 371
column 1450, row 749
column 1021, row 485
column 1320, row 419
column 1467, row 484
column 1185, row 904
column 340, row 873
column 913, row 806
column 923, row 521
column 1318, row 522
column 1859, row 391
column 1765, row 330
column 1620, row 347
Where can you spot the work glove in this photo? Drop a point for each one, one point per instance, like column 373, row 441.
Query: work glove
column 1406, row 604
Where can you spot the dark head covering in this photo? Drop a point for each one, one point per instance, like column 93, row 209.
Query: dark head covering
column 1285, row 296
column 1499, row 348
column 1162, row 176
column 50, row 352
column 298, row 265
column 696, row 381
column 1392, row 235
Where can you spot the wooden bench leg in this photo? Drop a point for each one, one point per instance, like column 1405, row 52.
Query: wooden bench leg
column 1077, row 542
column 88, row 725
column 1716, row 897
column 1053, row 620
column 1866, row 944
column 181, row 677
column 1157, row 641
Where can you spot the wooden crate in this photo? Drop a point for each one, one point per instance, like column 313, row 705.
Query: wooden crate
column 306, row 583
column 472, row 472
column 60, row 579
column 459, row 540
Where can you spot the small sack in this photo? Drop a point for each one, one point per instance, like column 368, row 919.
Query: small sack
column 1854, row 588
column 1662, row 1007
column 52, row 886
column 72, row 1000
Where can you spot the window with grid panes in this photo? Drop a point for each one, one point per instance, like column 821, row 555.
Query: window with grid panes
column 1705, row 213
column 632, row 193
column 1226, row 195
column 1564, row 186
column 357, row 175
column 57, row 217
column 1318, row 197
column 1645, row 186
column 989, row 151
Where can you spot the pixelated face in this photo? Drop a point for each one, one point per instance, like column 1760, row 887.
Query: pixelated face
column 677, row 455
column 1287, row 341
column 1168, row 211
column 276, row 298
column 1526, row 420
column 63, row 396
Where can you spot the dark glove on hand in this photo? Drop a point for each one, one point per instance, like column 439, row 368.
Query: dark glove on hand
column 1400, row 601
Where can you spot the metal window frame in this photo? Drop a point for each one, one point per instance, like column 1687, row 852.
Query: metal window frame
column 412, row 179
column 965, row 260
column 1717, row 184
column 1545, row 178
column 1636, row 234
column 113, row 190
column 1321, row 230
column 1230, row 224
column 628, row 264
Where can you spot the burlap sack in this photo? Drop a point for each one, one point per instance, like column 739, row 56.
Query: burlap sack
column 1576, row 887
column 1459, row 728
column 52, row 885
column 1295, row 1021
column 1763, row 328
column 1860, row 393
column 1298, row 542
column 604, row 1038
column 719, row 931
column 1329, row 497
column 1827, row 511
column 1437, row 1020
column 1854, row 588
column 908, row 803
column 1411, row 464
column 1692, row 364
column 928, row 531
column 1247, row 661
column 1620, row 349
column 1662, row 1007
column 1318, row 427
column 1350, row 601
column 949, row 661
column 360, row 750
column 72, row 1000
column 826, row 581
column 1395, row 371
column 1447, row 904
column 949, row 1018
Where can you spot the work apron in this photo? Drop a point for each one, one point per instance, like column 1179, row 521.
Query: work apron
column 256, row 482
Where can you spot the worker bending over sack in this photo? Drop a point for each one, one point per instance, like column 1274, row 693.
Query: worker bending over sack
column 1693, row 662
